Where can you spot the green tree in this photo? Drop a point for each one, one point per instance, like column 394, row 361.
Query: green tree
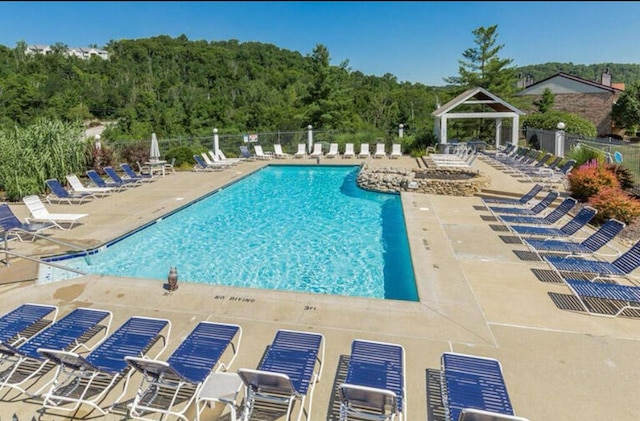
column 626, row 110
column 483, row 67
column 546, row 101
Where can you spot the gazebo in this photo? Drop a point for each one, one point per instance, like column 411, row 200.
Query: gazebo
column 500, row 110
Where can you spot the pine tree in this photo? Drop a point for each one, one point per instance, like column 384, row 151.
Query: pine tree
column 482, row 66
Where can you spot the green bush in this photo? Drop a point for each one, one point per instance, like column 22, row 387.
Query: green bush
column 184, row 155
column 574, row 124
column 583, row 155
column 45, row 149
column 612, row 202
column 588, row 179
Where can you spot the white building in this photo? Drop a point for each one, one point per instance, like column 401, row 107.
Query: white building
column 81, row 52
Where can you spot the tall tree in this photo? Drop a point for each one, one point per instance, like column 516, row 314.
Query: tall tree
column 483, row 67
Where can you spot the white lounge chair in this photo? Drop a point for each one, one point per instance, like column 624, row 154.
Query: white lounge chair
column 380, row 152
column 216, row 160
column 77, row 186
column 210, row 164
column 364, row 151
column 259, row 153
column 277, row 151
column 333, row 151
column 302, row 151
column 232, row 161
column 348, row 151
column 317, row 150
column 395, row 151
column 39, row 213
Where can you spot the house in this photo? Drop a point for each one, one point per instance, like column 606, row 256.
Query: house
column 589, row 99
column 81, row 52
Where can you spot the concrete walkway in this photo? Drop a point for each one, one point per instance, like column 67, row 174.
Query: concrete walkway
column 477, row 296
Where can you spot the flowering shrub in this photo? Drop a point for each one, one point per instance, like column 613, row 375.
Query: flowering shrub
column 588, row 179
column 614, row 203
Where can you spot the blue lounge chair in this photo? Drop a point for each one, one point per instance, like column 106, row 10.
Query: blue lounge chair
column 99, row 182
column 628, row 295
column 375, row 384
column 245, row 154
column 25, row 321
column 22, row 365
column 534, row 210
column 576, row 223
column 88, row 379
column 549, row 219
column 60, row 194
column 170, row 387
column 474, row 385
column 588, row 246
column 132, row 174
column 622, row 266
column 524, row 200
column 289, row 371
column 13, row 228
column 112, row 174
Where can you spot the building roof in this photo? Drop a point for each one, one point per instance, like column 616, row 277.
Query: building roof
column 577, row 79
column 477, row 95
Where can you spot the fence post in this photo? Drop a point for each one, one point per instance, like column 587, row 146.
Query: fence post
column 216, row 141
column 310, row 138
column 401, row 131
column 559, row 149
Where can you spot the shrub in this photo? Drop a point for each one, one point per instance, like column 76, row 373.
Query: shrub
column 132, row 152
column 614, row 203
column 583, row 155
column 588, row 179
column 574, row 124
column 623, row 174
column 184, row 155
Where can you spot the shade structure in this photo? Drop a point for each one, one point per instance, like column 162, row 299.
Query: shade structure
column 154, row 153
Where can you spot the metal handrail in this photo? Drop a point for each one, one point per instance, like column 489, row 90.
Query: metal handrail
column 64, row 243
column 35, row 259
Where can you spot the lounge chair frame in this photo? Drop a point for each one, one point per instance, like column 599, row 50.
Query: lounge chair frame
column 22, row 366
column 375, row 384
column 288, row 372
column 86, row 380
column 170, row 387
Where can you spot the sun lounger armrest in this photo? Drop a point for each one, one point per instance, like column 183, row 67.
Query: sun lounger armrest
column 480, row 415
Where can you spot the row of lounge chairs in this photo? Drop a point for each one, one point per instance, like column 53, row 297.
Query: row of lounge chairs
column 318, row 151
column 41, row 219
column 531, row 165
column 34, row 342
column 580, row 263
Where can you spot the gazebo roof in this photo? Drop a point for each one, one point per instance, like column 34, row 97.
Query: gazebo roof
column 477, row 96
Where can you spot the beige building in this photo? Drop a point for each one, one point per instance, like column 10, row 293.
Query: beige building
column 588, row 99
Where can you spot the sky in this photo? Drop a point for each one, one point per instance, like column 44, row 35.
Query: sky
column 417, row 42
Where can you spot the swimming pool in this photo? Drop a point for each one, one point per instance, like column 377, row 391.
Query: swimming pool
column 294, row 228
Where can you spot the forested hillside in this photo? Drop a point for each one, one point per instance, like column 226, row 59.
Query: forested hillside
column 620, row 73
column 178, row 87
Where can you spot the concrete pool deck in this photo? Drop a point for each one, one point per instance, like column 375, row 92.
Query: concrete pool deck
column 477, row 296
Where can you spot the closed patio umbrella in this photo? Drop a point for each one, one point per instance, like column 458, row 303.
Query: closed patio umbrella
column 154, row 153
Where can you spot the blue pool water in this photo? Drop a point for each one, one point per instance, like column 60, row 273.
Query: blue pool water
column 295, row 228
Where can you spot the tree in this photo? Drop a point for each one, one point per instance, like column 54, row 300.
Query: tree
column 482, row 66
column 546, row 101
column 626, row 110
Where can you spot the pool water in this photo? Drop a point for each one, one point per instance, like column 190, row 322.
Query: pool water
column 295, row 228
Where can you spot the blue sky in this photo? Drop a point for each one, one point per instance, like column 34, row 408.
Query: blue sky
column 414, row 41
